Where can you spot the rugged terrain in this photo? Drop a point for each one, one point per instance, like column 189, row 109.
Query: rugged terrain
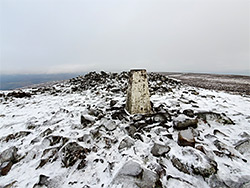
column 77, row 134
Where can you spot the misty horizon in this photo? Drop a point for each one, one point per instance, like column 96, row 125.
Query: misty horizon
column 52, row 37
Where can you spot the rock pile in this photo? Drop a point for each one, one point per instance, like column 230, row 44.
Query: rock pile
column 79, row 128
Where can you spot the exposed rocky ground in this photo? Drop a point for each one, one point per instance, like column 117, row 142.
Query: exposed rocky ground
column 77, row 134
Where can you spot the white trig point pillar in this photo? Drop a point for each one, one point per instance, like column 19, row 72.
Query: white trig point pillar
column 138, row 99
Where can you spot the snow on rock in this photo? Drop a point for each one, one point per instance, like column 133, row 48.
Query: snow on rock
column 77, row 134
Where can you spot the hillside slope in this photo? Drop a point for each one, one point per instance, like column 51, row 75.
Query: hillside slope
column 77, row 134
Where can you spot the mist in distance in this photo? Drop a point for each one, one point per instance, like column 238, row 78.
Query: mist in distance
column 63, row 36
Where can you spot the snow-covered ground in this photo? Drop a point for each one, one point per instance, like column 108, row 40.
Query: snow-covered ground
column 77, row 134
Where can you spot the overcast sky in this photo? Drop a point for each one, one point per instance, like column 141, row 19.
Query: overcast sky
column 55, row 36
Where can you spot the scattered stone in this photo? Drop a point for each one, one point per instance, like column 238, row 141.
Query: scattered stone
column 19, row 94
column 214, row 181
column 110, row 125
column 131, row 130
column 186, row 138
column 5, row 168
column 243, row 147
column 7, row 158
column 212, row 116
column 86, row 121
column 86, row 138
column 43, row 181
column 17, row 135
column 9, row 154
column 132, row 175
column 183, row 122
column 159, row 150
column 113, row 103
column 95, row 133
column 174, row 182
column 46, row 132
column 73, row 152
column 126, row 143
column 53, row 140
column 120, row 115
column 189, row 113
column 161, row 117
column 193, row 161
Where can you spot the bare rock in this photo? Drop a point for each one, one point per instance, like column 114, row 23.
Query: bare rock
column 186, row 138
column 73, row 152
column 243, row 146
column 86, row 121
column 183, row 122
column 5, row 168
column 192, row 161
column 126, row 143
column 9, row 154
column 110, row 125
column 132, row 175
column 189, row 113
column 159, row 150
column 212, row 116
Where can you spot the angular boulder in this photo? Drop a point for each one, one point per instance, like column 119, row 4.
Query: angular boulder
column 7, row 158
column 186, row 138
column 132, row 175
column 126, row 143
column 73, row 152
column 159, row 150
column 183, row 122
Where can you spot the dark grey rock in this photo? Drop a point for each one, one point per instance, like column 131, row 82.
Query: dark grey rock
column 189, row 113
column 200, row 163
column 113, row 103
column 9, row 154
column 73, row 152
column 243, row 146
column 215, row 182
column 212, row 116
column 126, row 143
column 181, row 122
column 180, row 165
column 186, row 138
column 110, row 125
column 132, row 175
column 5, row 168
column 86, row 121
column 159, row 150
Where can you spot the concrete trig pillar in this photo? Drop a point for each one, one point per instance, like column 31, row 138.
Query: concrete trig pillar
column 138, row 99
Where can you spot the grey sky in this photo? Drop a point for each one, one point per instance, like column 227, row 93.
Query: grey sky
column 54, row 36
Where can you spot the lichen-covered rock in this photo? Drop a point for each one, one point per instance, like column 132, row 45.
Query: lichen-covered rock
column 132, row 175
column 159, row 150
column 186, row 138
